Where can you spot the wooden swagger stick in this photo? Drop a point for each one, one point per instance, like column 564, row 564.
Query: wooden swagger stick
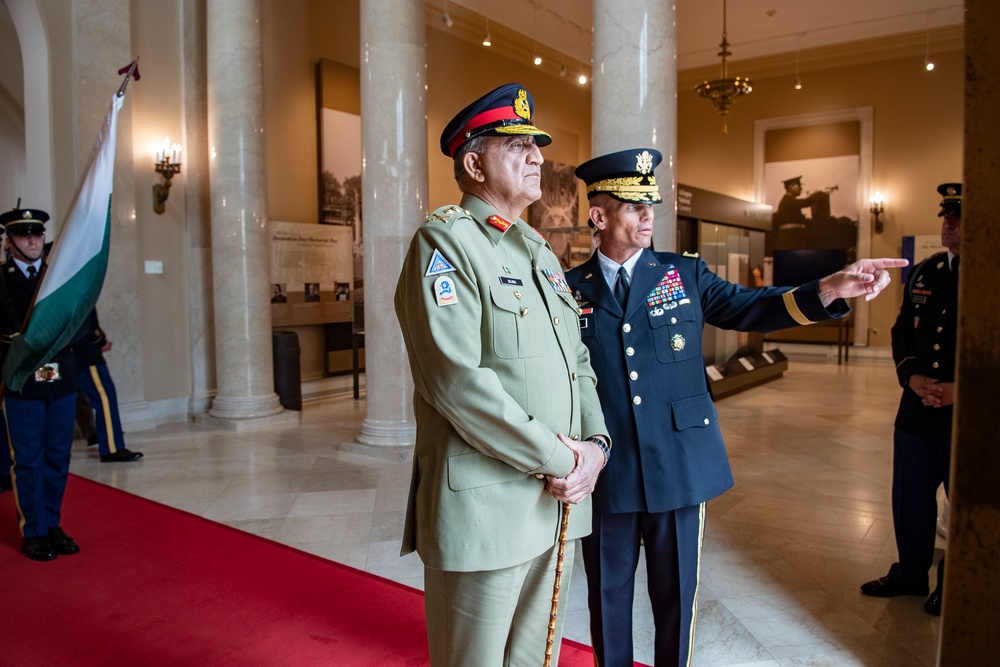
column 555, row 587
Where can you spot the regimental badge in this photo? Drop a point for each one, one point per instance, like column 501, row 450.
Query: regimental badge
column 670, row 289
column 445, row 292
column 677, row 342
column 557, row 281
column 644, row 162
column 438, row 264
column 498, row 222
column 521, row 107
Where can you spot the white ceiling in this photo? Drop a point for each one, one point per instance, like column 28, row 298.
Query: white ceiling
column 755, row 27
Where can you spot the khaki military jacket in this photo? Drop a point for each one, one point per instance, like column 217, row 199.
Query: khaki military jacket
column 493, row 340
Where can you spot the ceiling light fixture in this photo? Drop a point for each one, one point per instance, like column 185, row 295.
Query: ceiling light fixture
column 798, row 81
column 723, row 91
column 446, row 17
column 928, row 63
column 486, row 40
column 582, row 79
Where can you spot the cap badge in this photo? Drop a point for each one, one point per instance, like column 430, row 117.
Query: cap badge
column 521, row 107
column 26, row 215
column 644, row 162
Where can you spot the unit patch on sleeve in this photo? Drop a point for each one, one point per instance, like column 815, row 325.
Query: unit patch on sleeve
column 445, row 292
column 670, row 289
column 438, row 264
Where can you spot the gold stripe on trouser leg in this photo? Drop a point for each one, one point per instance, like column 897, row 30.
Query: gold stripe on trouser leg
column 13, row 475
column 694, row 604
column 109, row 425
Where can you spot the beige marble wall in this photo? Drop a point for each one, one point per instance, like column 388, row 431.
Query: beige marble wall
column 102, row 45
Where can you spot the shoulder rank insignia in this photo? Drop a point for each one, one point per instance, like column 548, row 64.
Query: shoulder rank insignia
column 693, row 255
column 438, row 264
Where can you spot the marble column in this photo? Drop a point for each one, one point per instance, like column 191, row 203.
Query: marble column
column 634, row 101
column 103, row 44
column 197, row 207
column 240, row 262
column 394, row 202
column 971, row 615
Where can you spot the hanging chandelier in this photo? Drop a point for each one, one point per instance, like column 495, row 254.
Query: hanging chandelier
column 724, row 90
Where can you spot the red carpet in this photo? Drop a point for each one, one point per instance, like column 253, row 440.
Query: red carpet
column 154, row 586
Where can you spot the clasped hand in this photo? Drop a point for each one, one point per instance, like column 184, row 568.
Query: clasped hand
column 933, row 393
column 580, row 481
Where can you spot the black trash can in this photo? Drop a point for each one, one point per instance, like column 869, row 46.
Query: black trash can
column 287, row 373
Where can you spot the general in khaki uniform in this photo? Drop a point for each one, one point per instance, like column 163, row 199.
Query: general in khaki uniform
column 499, row 368
column 642, row 316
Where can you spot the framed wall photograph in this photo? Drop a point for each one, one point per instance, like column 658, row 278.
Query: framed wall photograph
column 556, row 215
column 815, row 171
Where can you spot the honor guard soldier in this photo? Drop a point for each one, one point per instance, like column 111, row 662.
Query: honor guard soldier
column 509, row 426
column 642, row 315
column 40, row 415
column 94, row 380
column 923, row 347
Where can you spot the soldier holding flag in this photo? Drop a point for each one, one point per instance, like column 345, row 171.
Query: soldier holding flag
column 40, row 414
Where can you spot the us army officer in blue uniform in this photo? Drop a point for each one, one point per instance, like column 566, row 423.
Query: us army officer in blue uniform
column 923, row 346
column 40, row 415
column 505, row 401
column 642, row 315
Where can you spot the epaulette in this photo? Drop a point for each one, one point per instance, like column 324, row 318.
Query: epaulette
column 447, row 215
column 692, row 255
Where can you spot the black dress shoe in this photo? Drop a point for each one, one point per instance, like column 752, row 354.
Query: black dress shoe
column 886, row 587
column 62, row 543
column 5, row 483
column 91, row 441
column 121, row 456
column 37, row 548
column 933, row 604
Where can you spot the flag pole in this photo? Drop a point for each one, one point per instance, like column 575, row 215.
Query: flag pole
column 129, row 70
column 556, row 586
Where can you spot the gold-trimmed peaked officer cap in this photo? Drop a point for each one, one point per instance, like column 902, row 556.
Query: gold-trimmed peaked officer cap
column 501, row 112
column 952, row 202
column 24, row 221
column 626, row 175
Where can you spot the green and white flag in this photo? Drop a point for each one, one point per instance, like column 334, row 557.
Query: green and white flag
column 76, row 265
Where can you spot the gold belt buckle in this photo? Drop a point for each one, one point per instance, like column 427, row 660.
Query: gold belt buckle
column 48, row 373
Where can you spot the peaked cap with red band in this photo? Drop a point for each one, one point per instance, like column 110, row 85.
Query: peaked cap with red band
column 501, row 112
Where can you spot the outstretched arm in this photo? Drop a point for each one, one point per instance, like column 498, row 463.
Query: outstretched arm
column 865, row 277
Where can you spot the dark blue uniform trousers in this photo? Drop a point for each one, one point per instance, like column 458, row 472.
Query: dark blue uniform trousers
column 919, row 465
column 95, row 381
column 672, row 541
column 41, row 432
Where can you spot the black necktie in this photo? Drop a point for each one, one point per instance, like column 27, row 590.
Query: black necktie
column 31, row 272
column 621, row 286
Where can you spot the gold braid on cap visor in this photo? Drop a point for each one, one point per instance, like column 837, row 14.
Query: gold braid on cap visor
column 631, row 188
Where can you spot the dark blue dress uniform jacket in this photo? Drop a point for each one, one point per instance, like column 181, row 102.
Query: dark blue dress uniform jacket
column 668, row 450
column 923, row 343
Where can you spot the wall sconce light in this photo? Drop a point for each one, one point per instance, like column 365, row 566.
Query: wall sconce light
column 168, row 163
column 876, row 206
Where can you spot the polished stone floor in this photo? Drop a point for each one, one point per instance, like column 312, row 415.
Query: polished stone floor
column 785, row 550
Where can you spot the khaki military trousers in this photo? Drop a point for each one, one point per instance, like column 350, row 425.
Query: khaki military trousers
column 495, row 618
